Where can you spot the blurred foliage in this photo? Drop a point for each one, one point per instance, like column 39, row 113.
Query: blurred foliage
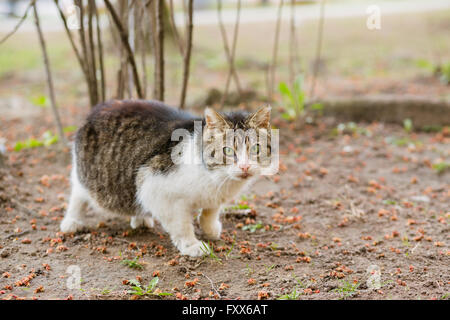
column 408, row 125
column 47, row 139
column 294, row 99
column 442, row 71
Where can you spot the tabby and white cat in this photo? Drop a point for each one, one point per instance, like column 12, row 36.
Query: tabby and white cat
column 123, row 162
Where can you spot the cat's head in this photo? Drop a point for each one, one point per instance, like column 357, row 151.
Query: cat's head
column 238, row 144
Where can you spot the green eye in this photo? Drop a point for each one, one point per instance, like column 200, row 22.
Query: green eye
column 255, row 149
column 229, row 152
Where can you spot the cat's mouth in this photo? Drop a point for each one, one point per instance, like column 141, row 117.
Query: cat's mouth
column 244, row 175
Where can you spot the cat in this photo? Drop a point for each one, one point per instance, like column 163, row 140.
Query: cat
column 126, row 161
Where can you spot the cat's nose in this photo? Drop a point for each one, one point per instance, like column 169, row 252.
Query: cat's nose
column 244, row 167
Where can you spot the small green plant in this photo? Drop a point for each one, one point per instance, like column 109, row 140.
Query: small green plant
column 237, row 207
column 351, row 128
column 40, row 101
column 346, row 289
column 140, row 290
column 106, row 291
column 249, row 270
column 445, row 296
column 270, row 268
column 440, row 70
column 47, row 139
column 293, row 98
column 133, row 264
column 294, row 295
column 405, row 241
column 441, row 167
column 208, row 249
column 253, row 227
column 407, row 125
column 227, row 254
column 296, row 291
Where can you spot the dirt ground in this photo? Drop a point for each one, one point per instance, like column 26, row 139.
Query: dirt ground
column 356, row 212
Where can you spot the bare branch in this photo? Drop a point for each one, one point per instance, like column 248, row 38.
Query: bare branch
column 131, row 39
column 72, row 42
column 124, row 38
column 100, row 53
column 49, row 75
column 292, row 47
column 230, row 54
column 227, row 48
column 187, row 55
column 91, row 48
column 178, row 39
column 318, row 49
column 150, row 35
column 85, row 58
column 212, row 285
column 140, row 17
column 32, row 2
column 159, row 46
column 275, row 52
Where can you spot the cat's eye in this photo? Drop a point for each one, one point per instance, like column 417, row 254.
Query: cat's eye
column 255, row 149
column 229, row 152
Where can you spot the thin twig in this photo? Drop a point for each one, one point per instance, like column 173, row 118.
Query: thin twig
column 49, row 76
column 292, row 59
column 124, row 38
column 178, row 39
column 72, row 42
column 16, row 235
column 122, row 7
column 275, row 52
column 131, row 40
column 85, row 58
column 23, row 207
column 318, row 50
column 227, row 48
column 230, row 54
column 91, row 56
column 187, row 55
column 141, row 43
column 30, row 4
column 212, row 285
column 159, row 46
column 100, row 54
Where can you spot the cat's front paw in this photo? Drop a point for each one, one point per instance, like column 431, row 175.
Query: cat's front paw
column 192, row 248
column 69, row 225
column 212, row 230
column 138, row 221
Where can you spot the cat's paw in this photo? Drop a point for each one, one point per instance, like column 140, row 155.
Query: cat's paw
column 212, row 230
column 138, row 221
column 191, row 248
column 69, row 225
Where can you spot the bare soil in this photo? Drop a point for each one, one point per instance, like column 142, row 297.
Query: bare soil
column 346, row 207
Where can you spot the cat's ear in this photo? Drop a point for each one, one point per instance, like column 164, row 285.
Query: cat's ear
column 260, row 119
column 215, row 120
